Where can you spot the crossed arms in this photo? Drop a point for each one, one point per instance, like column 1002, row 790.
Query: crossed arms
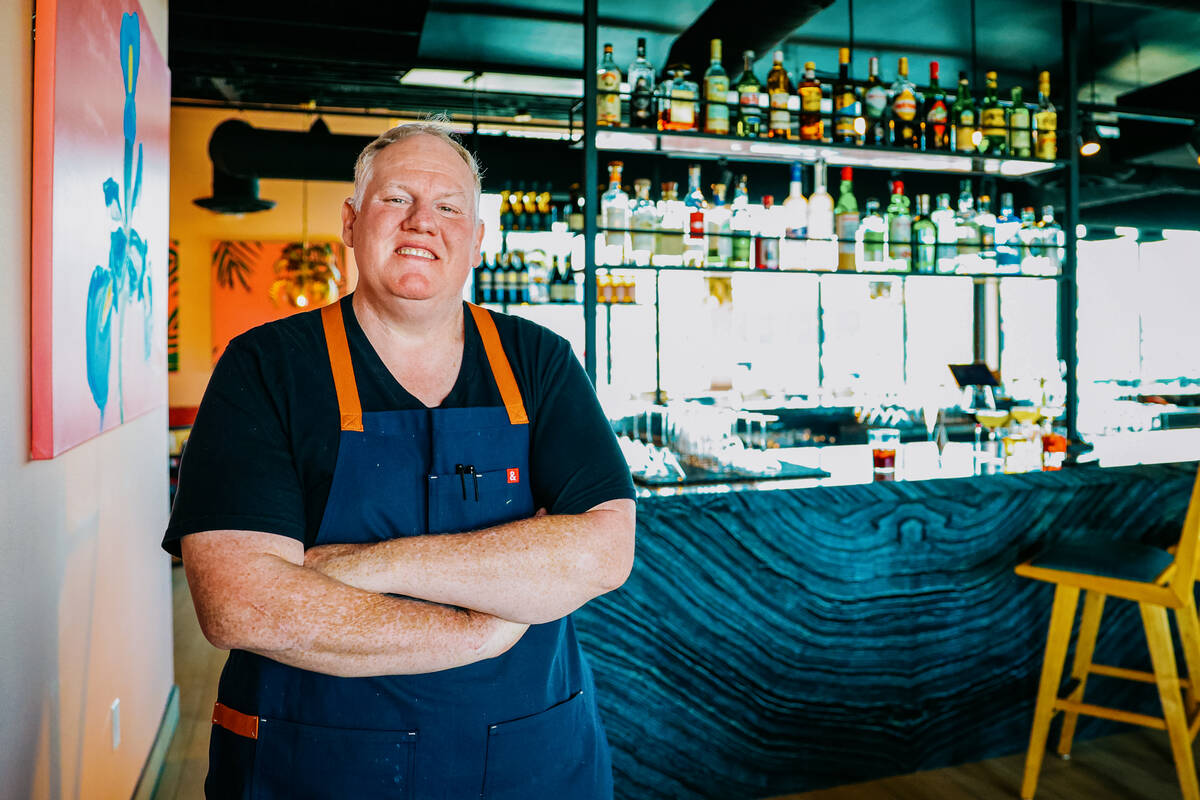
column 466, row 596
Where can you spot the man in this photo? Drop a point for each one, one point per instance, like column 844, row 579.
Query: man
column 356, row 516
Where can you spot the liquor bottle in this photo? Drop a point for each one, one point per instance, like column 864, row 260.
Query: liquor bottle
column 904, row 124
column 936, row 114
column 532, row 220
column 614, row 209
column 769, row 231
column 845, row 220
column 924, row 234
column 641, row 89
column 967, row 237
column 875, row 105
column 506, row 212
column 668, row 250
column 694, row 248
column 575, row 212
column 1052, row 241
column 845, row 102
column 1046, row 121
column 947, row 235
column 483, row 282
column 510, row 280
column 1020, row 129
column 643, row 219
column 749, row 121
column 604, row 286
column 554, row 283
column 716, row 93
column 779, row 92
column 1008, row 224
column 812, row 125
column 986, row 221
column 516, row 203
column 793, row 248
column 677, row 111
column 822, row 243
column 608, row 86
column 716, row 227
column 966, row 122
column 1029, row 236
column 871, row 236
column 899, row 220
column 741, row 226
column 545, row 208
column 991, row 121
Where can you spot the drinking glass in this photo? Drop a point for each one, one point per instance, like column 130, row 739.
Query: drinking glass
column 884, row 443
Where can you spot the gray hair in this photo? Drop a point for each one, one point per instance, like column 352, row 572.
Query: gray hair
column 434, row 125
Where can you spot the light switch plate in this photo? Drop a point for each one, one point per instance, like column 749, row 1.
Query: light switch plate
column 116, row 723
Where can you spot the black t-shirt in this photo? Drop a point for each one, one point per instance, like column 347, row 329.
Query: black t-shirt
column 262, row 451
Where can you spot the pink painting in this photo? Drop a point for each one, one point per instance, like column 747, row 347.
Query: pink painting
column 102, row 95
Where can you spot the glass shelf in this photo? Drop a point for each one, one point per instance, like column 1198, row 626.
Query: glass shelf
column 695, row 145
column 749, row 271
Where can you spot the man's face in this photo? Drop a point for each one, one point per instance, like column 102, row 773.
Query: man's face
column 416, row 236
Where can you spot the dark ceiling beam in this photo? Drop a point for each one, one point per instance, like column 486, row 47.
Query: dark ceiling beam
column 543, row 15
column 739, row 26
column 1177, row 5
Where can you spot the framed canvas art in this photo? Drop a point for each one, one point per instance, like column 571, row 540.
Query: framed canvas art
column 255, row 282
column 102, row 96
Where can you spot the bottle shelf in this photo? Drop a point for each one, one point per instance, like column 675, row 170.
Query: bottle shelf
column 698, row 145
column 881, row 273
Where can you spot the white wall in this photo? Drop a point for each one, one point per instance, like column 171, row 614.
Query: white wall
column 85, row 601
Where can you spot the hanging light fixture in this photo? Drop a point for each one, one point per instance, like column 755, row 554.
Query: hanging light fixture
column 1088, row 141
column 306, row 275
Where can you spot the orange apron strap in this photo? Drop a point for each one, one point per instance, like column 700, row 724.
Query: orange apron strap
column 343, row 371
column 510, row 393
column 235, row 721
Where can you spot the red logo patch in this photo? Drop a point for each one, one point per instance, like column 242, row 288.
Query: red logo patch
column 514, row 475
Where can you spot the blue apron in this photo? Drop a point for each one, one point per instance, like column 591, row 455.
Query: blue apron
column 521, row 726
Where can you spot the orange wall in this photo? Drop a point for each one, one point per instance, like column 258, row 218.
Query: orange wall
column 85, row 614
column 195, row 228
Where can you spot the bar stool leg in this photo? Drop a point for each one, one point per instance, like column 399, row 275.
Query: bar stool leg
column 1162, row 655
column 1085, row 646
column 1062, row 618
column 1189, row 632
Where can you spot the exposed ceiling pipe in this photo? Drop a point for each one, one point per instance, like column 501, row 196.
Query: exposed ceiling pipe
column 739, row 26
column 1179, row 5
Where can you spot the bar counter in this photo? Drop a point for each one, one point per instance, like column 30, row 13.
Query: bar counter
column 770, row 642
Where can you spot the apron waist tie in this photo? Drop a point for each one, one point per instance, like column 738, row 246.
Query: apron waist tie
column 235, row 721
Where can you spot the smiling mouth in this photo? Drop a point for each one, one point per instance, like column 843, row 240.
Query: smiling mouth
column 419, row 252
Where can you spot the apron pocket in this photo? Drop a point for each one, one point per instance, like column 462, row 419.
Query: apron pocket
column 459, row 503
column 309, row 762
column 549, row 754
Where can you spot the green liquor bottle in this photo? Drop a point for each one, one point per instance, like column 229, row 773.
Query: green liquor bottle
column 966, row 123
column 749, row 89
column 991, row 121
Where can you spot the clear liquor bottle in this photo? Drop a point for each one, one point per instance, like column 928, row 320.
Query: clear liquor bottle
column 695, row 250
column 769, row 231
column 924, row 234
column 1053, row 241
column 1029, row 236
column 871, row 239
column 899, row 219
column 1008, row 226
column 822, row 242
column 614, row 210
column 845, row 102
column 749, row 89
column 1020, row 127
column 608, row 86
column 641, row 89
column 845, row 221
column 906, row 100
column 793, row 248
column 779, row 93
column 812, row 124
column 967, row 237
column 716, row 93
column 986, row 221
column 936, row 114
column 875, row 106
column 966, row 120
column 741, row 226
column 644, row 220
column 668, row 250
column 1045, row 119
column 716, row 227
column 947, row 235
column 991, row 121
column 677, row 110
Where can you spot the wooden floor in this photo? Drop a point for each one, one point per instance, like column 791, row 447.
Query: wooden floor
column 1128, row 766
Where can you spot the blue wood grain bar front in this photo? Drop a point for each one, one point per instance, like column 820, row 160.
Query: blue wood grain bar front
column 777, row 641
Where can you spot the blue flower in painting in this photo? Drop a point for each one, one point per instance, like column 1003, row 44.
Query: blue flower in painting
column 131, row 56
column 127, row 277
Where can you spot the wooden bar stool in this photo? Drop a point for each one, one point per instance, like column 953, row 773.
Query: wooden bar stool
column 1156, row 580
